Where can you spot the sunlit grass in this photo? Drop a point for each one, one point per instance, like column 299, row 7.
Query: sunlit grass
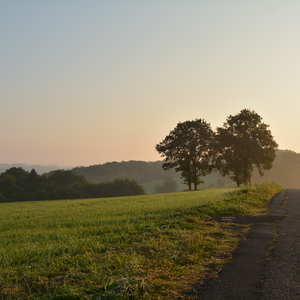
column 143, row 247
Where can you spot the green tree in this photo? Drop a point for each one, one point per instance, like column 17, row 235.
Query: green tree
column 244, row 142
column 9, row 187
column 20, row 175
column 66, row 177
column 187, row 149
column 8, row 184
column 124, row 187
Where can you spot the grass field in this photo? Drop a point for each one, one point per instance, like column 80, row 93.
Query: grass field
column 141, row 247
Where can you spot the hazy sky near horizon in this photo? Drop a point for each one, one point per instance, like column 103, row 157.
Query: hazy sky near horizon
column 88, row 82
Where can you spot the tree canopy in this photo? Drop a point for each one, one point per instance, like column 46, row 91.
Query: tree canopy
column 242, row 143
column 187, row 149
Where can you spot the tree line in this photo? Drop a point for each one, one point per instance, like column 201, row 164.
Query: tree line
column 16, row 184
column 242, row 144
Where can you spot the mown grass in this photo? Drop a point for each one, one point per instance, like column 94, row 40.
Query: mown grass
column 142, row 247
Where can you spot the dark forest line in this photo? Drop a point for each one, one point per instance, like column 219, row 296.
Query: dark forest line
column 16, row 184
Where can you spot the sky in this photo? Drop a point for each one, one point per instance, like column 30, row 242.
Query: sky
column 86, row 82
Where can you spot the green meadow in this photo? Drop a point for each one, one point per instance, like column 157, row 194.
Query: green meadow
column 140, row 247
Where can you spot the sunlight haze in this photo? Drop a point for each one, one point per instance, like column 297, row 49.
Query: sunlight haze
column 89, row 82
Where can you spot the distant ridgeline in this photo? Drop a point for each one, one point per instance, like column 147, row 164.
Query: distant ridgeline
column 140, row 171
column 285, row 171
column 148, row 174
column 126, row 179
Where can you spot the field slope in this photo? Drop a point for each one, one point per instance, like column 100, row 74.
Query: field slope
column 141, row 247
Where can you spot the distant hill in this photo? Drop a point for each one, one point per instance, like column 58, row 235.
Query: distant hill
column 140, row 171
column 148, row 174
column 285, row 171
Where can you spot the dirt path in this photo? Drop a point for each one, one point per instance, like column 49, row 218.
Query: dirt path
column 265, row 266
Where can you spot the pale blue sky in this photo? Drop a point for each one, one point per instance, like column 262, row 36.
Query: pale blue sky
column 87, row 82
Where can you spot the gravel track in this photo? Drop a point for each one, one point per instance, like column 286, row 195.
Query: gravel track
column 267, row 264
column 282, row 274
